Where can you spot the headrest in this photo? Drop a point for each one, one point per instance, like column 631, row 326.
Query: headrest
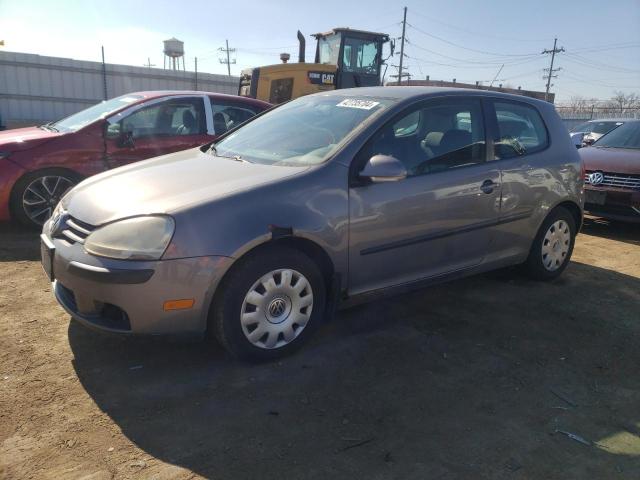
column 433, row 139
column 188, row 120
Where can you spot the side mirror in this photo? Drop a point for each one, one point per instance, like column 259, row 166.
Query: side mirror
column 383, row 168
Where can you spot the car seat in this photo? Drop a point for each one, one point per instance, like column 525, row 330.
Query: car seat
column 219, row 123
column 188, row 124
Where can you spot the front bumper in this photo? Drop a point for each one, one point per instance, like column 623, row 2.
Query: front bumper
column 613, row 204
column 128, row 296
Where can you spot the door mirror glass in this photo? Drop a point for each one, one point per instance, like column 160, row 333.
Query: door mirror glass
column 383, row 168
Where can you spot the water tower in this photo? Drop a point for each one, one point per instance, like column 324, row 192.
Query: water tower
column 174, row 51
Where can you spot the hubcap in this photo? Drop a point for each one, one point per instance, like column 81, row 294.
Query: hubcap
column 555, row 245
column 276, row 308
column 42, row 195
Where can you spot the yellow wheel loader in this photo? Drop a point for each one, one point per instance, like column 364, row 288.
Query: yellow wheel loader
column 345, row 58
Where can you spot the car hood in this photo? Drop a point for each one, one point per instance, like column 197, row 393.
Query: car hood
column 612, row 160
column 167, row 184
column 22, row 138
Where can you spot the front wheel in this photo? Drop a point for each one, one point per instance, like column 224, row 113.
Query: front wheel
column 35, row 196
column 270, row 303
column 553, row 245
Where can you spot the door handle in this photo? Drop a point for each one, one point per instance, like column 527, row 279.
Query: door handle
column 488, row 186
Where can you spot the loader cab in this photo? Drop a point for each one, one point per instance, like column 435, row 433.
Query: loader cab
column 357, row 54
column 344, row 58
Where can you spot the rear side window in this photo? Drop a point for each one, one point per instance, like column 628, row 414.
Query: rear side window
column 228, row 115
column 521, row 130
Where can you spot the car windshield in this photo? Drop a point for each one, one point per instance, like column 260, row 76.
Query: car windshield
column 306, row 131
column 583, row 127
column 604, row 127
column 625, row 136
column 85, row 117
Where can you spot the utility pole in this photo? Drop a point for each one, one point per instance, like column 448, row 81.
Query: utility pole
column 404, row 26
column 551, row 70
column 228, row 60
column 196, row 78
column 149, row 64
column 104, row 75
column 495, row 78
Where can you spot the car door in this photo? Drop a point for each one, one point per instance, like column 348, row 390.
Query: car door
column 520, row 138
column 442, row 216
column 154, row 128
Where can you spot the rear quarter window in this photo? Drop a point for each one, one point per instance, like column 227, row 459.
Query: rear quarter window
column 521, row 130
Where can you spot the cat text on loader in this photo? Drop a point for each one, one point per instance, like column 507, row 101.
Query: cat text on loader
column 344, row 58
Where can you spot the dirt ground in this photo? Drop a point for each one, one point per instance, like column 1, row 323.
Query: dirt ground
column 490, row 377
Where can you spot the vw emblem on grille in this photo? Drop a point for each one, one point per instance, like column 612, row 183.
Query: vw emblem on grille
column 277, row 307
column 596, row 178
column 58, row 223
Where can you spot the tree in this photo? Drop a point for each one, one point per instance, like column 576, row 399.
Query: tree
column 623, row 102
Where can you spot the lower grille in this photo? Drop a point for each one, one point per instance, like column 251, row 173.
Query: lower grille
column 106, row 316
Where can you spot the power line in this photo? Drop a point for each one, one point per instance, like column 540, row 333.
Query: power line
column 598, row 83
column 585, row 62
column 475, row 33
column 466, row 61
column 484, row 52
column 486, row 66
column 602, row 48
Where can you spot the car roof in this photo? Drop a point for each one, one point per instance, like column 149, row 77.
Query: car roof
column 220, row 96
column 403, row 93
column 623, row 120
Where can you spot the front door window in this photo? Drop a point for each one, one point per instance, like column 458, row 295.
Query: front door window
column 174, row 117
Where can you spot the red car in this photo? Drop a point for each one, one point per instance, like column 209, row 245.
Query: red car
column 39, row 164
column 612, row 181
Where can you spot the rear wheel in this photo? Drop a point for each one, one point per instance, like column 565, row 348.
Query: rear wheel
column 36, row 194
column 269, row 305
column 553, row 245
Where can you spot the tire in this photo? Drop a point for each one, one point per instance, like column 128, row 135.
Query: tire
column 552, row 248
column 39, row 191
column 254, row 322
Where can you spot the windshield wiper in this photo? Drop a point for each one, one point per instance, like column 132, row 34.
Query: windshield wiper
column 49, row 126
column 237, row 158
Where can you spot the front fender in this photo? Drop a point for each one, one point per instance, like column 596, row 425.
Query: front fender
column 313, row 206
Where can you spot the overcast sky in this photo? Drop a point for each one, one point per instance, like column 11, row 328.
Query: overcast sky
column 467, row 40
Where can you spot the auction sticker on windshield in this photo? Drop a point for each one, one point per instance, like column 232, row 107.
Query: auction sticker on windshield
column 362, row 104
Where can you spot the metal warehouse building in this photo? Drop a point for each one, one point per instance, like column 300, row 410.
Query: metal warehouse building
column 35, row 89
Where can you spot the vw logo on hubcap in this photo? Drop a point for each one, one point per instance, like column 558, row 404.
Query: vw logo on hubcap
column 277, row 307
column 596, row 178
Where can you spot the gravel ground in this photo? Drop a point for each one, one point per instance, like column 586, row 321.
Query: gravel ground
column 493, row 376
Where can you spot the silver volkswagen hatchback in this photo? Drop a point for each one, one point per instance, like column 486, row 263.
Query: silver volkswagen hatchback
column 327, row 200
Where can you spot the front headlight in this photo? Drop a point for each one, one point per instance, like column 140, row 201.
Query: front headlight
column 137, row 238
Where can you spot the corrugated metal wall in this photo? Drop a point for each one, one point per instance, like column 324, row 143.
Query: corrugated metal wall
column 36, row 89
